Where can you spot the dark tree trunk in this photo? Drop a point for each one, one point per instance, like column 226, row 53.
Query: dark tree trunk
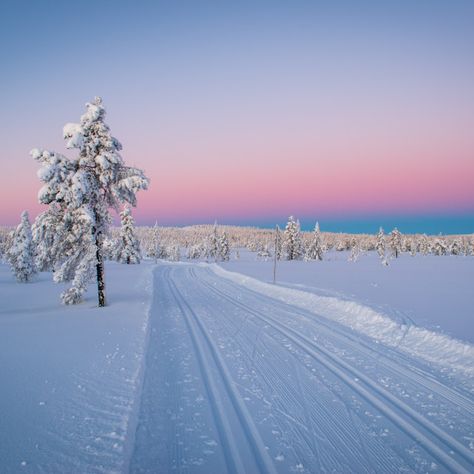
column 100, row 270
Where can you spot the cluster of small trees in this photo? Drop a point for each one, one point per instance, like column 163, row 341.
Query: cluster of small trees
column 200, row 242
column 216, row 243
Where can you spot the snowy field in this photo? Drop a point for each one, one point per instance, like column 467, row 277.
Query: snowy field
column 429, row 291
column 69, row 374
column 205, row 368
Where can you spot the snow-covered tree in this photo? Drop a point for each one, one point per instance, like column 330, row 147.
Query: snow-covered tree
column 81, row 191
column 21, row 252
column 264, row 253
column 395, row 242
column 424, row 245
column 316, row 247
column 109, row 248
column 46, row 238
column 293, row 242
column 439, row 247
column 213, row 250
column 194, row 252
column 455, row 248
column 173, row 253
column 128, row 247
column 278, row 245
column 224, row 249
column 413, row 246
column 154, row 244
column 355, row 250
column 380, row 246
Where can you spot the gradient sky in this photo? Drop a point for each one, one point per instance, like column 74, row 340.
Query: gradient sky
column 249, row 111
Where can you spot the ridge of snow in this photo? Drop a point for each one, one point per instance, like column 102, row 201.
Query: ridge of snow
column 429, row 345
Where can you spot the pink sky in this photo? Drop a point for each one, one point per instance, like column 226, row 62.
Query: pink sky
column 251, row 112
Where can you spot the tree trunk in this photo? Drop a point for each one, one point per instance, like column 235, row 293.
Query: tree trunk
column 100, row 270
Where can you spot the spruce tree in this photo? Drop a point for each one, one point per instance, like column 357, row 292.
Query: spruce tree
column 395, row 241
column 128, row 248
column 315, row 249
column 21, row 252
column 46, row 238
column 224, row 249
column 213, row 244
column 293, row 243
column 82, row 190
column 380, row 246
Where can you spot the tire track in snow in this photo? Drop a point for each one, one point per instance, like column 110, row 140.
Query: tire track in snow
column 208, row 354
column 396, row 410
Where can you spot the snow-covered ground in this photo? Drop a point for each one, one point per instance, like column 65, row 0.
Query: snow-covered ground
column 430, row 291
column 196, row 368
column 69, row 375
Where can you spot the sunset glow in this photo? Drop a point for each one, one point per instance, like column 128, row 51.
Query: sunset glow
column 250, row 113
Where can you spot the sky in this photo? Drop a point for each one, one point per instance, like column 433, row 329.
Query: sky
column 355, row 114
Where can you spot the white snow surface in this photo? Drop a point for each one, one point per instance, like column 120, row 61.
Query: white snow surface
column 192, row 368
column 433, row 292
column 70, row 376
column 435, row 347
column 237, row 380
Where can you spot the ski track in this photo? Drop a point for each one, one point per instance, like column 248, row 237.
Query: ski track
column 238, row 382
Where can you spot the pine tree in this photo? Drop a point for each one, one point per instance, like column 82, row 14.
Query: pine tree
column 293, row 243
column 46, row 238
column 455, row 247
column 413, row 247
column 278, row 245
column 380, row 246
column 21, row 253
column 316, row 248
column 424, row 246
column 173, row 253
column 264, row 253
column 213, row 244
column 128, row 248
column 224, row 249
column 439, row 247
column 81, row 191
column 355, row 250
column 153, row 249
column 395, row 242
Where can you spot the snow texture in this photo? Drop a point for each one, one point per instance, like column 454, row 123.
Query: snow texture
column 70, row 376
column 193, row 368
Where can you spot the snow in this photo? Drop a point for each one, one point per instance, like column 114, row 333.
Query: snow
column 433, row 292
column 237, row 381
column 70, row 376
column 432, row 346
column 197, row 368
column 74, row 133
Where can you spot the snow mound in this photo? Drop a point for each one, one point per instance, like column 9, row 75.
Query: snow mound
column 433, row 347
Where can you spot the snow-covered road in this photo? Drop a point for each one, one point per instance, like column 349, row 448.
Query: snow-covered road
column 236, row 381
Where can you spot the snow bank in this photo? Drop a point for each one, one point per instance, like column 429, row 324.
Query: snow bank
column 431, row 346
